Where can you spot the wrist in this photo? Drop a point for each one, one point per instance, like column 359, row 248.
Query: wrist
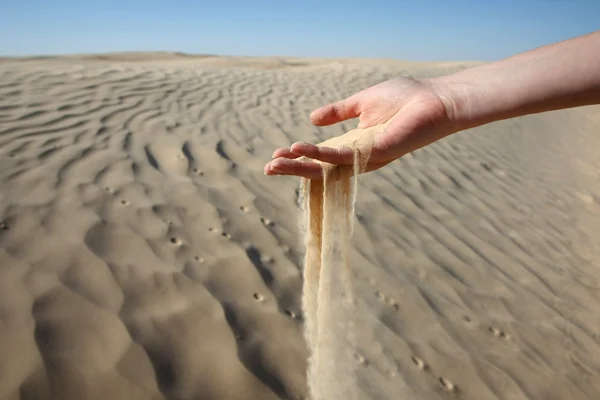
column 457, row 99
column 481, row 95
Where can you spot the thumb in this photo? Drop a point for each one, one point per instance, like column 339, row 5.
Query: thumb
column 336, row 112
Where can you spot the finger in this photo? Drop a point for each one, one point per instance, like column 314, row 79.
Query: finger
column 309, row 169
column 341, row 156
column 285, row 166
column 284, row 152
column 336, row 112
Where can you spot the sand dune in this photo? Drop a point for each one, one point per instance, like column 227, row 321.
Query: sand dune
column 144, row 255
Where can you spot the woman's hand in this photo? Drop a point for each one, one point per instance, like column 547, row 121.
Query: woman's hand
column 414, row 114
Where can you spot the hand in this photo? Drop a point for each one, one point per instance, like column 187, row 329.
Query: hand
column 413, row 112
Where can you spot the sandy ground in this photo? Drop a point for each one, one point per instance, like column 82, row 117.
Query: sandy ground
column 144, row 255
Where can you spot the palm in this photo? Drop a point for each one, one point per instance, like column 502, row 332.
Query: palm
column 381, row 102
column 410, row 111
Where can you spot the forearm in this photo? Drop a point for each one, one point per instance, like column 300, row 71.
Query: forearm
column 557, row 76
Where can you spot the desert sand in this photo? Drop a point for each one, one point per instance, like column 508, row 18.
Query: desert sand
column 144, row 255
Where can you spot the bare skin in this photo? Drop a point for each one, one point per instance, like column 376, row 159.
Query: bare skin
column 416, row 113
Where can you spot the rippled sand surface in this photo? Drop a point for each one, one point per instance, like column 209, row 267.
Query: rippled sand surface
column 144, row 255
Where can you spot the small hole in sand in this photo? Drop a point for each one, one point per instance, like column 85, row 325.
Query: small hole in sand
column 259, row 297
column 199, row 259
column 290, row 313
column 449, row 386
column 4, row 226
column 419, row 363
column 125, row 202
column 361, row 359
column 266, row 221
column 198, row 172
column 494, row 331
column 244, row 209
column 175, row 241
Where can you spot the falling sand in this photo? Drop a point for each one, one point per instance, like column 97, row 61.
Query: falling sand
column 327, row 218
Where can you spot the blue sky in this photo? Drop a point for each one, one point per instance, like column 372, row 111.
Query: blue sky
column 412, row 30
